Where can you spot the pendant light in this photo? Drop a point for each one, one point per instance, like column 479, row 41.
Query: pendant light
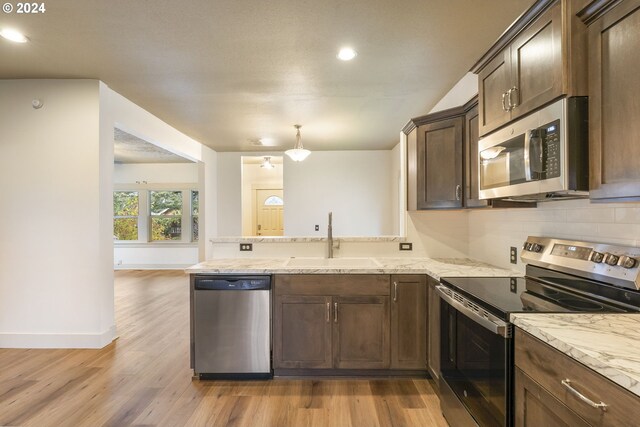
column 297, row 153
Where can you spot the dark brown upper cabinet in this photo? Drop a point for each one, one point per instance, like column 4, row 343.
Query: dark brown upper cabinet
column 442, row 157
column 540, row 58
column 471, row 159
column 614, row 91
column 440, row 164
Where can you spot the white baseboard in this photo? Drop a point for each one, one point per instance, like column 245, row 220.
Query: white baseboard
column 58, row 340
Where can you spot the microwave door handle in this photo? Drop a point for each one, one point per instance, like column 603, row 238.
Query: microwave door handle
column 527, row 155
column 492, row 323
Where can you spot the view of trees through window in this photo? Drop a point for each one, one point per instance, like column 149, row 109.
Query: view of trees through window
column 125, row 212
column 195, row 206
column 166, row 215
column 162, row 211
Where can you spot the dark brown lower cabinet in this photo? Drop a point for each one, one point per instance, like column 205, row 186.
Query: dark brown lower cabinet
column 349, row 322
column 536, row 407
column 549, row 385
column 331, row 322
column 302, row 332
column 434, row 329
column 361, row 332
column 408, row 322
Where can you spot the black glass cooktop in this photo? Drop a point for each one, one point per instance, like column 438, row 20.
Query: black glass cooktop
column 549, row 293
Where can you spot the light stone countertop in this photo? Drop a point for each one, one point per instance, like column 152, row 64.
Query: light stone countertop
column 434, row 267
column 304, row 239
column 607, row 343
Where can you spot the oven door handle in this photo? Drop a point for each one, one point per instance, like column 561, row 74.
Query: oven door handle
column 490, row 322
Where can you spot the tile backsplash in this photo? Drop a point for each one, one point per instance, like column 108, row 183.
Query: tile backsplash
column 493, row 231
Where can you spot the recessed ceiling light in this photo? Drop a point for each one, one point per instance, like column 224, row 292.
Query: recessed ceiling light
column 347, row 54
column 13, row 35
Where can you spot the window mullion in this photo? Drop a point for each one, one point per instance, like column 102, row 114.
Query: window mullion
column 186, row 216
column 143, row 217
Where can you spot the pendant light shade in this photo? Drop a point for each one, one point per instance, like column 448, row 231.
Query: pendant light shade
column 297, row 153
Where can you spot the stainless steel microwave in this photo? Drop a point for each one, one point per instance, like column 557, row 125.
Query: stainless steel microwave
column 542, row 156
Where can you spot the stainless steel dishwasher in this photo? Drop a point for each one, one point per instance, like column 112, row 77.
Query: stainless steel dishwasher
column 231, row 326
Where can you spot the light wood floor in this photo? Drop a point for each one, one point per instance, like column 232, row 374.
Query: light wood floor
column 143, row 379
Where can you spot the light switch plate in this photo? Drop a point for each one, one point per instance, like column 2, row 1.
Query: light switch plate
column 317, row 227
column 246, row 247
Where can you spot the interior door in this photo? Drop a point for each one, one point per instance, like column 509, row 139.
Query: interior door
column 269, row 212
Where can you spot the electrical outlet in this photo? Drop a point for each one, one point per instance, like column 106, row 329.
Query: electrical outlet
column 246, row 247
column 317, row 227
column 406, row 246
column 513, row 255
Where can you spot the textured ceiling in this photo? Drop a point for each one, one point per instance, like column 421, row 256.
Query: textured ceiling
column 131, row 149
column 229, row 72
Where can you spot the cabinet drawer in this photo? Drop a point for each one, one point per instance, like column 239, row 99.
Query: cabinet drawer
column 332, row 284
column 549, row 367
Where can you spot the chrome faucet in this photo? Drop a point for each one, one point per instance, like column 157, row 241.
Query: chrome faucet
column 330, row 236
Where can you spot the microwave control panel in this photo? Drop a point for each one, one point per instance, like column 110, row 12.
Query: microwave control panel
column 551, row 148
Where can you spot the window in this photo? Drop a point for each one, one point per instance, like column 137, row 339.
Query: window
column 274, row 201
column 195, row 207
column 125, row 215
column 158, row 216
column 166, row 215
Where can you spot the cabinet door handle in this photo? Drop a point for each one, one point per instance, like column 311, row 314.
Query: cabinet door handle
column 335, row 312
column 328, row 311
column 458, row 192
column 513, row 105
column 567, row 383
column 504, row 102
column 395, row 291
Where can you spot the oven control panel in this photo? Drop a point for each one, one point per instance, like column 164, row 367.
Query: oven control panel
column 619, row 265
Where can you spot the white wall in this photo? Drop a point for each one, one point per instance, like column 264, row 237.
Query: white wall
column 56, row 274
column 354, row 185
column 397, row 190
column 208, row 184
column 459, row 94
column 229, row 207
column 155, row 173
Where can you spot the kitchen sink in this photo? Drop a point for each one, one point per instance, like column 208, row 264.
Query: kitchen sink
column 333, row 262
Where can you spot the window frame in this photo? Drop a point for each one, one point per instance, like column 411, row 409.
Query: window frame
column 137, row 217
column 144, row 214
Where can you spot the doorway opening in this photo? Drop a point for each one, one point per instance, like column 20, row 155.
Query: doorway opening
column 262, row 196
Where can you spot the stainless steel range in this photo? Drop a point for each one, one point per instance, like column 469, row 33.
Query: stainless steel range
column 476, row 357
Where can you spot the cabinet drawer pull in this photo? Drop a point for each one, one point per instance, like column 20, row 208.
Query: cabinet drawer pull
column 458, row 192
column 585, row 399
column 504, row 102
column 328, row 311
column 395, row 291
column 335, row 312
